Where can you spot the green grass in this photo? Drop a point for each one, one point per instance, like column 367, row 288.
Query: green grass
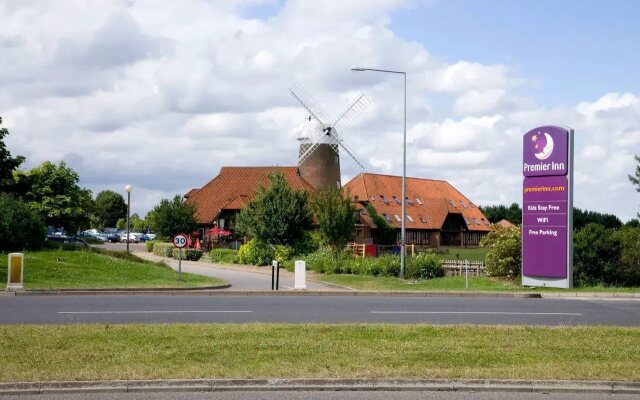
column 452, row 283
column 385, row 283
column 57, row 269
column 471, row 254
column 92, row 352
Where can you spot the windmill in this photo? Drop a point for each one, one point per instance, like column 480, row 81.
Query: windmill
column 319, row 154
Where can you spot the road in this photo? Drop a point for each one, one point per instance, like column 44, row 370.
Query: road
column 328, row 395
column 327, row 309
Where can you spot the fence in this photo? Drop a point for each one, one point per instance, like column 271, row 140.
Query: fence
column 458, row 267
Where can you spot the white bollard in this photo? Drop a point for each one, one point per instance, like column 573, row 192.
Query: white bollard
column 15, row 272
column 301, row 279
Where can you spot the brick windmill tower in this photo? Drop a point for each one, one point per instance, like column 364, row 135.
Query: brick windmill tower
column 320, row 143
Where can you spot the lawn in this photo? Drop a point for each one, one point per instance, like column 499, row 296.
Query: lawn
column 56, row 269
column 451, row 283
column 471, row 254
column 92, row 352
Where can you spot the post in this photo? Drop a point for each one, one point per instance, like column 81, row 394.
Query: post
column 128, row 217
column 15, row 272
column 466, row 273
column 273, row 273
column 179, row 263
column 300, row 278
column 277, row 274
column 403, row 233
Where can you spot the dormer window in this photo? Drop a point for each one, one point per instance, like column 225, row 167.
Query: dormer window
column 396, row 200
column 385, row 201
column 418, row 200
column 397, row 218
column 386, row 217
column 409, row 218
column 462, row 204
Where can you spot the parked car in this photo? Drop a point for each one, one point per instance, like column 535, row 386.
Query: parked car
column 131, row 239
column 150, row 236
column 67, row 239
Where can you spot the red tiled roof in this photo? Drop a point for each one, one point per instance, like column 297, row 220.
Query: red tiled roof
column 235, row 186
column 191, row 193
column 505, row 224
column 436, row 196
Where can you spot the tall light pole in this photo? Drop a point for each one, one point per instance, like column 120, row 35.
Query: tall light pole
column 403, row 232
column 128, row 189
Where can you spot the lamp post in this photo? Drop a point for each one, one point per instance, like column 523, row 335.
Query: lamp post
column 403, row 233
column 128, row 189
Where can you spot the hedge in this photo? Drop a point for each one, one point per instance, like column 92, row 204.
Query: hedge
column 163, row 249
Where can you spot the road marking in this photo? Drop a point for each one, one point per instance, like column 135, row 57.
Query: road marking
column 156, row 312
column 473, row 312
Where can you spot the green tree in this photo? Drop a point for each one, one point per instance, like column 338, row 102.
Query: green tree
column 53, row 192
column 635, row 179
column 277, row 214
column 20, row 227
column 173, row 216
column 596, row 255
column 504, row 257
column 582, row 218
column 336, row 216
column 109, row 207
column 8, row 164
column 387, row 234
column 494, row 214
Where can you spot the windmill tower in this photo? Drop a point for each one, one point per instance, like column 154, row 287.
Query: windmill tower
column 320, row 143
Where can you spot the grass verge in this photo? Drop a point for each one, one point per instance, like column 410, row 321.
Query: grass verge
column 87, row 352
column 82, row 269
column 451, row 283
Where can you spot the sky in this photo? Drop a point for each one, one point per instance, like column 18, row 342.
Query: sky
column 160, row 95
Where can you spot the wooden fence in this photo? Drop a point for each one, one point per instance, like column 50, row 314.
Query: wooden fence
column 458, row 267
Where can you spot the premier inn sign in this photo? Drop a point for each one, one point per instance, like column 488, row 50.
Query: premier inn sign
column 547, row 207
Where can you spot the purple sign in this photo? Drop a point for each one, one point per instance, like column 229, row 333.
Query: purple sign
column 547, row 206
column 545, row 151
column 544, row 226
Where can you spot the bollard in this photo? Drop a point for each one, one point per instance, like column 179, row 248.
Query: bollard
column 15, row 272
column 275, row 270
column 301, row 279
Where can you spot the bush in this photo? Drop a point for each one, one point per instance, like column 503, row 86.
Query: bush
column 424, row 266
column 282, row 253
column 20, row 227
column 227, row 256
column 149, row 245
column 163, row 249
column 629, row 271
column 309, row 243
column 256, row 253
column 596, row 256
column 504, row 257
column 188, row 254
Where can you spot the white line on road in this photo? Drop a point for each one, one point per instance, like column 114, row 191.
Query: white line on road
column 473, row 312
column 155, row 312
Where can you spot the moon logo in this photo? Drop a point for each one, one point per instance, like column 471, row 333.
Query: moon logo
column 547, row 150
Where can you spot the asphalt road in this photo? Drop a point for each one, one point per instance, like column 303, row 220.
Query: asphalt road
column 328, row 395
column 327, row 309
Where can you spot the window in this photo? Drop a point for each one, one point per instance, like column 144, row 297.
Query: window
column 466, row 221
column 471, row 205
column 397, row 218
column 421, row 219
column 485, row 222
column 372, row 198
column 409, row 218
column 396, row 200
column 386, row 217
column 476, row 221
column 385, row 201
column 452, row 204
column 462, row 204
column 408, row 200
column 418, row 200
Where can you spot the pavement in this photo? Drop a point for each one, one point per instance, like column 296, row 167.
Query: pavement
column 321, row 388
column 290, row 307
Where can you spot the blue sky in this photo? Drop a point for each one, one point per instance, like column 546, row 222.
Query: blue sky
column 578, row 49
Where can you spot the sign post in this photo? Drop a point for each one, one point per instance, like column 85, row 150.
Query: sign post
column 180, row 241
column 547, row 207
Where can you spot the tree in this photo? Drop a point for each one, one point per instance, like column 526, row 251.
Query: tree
column 109, row 207
column 596, row 255
column 497, row 213
column 636, row 179
column 386, row 233
column 504, row 257
column 336, row 216
column 171, row 217
column 277, row 214
column 583, row 218
column 8, row 164
column 20, row 227
column 53, row 192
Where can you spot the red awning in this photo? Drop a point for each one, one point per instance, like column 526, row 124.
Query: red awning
column 220, row 232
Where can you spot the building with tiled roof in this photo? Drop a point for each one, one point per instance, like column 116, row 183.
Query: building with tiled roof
column 437, row 214
column 224, row 196
column 503, row 223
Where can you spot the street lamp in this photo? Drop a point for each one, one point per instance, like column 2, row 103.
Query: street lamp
column 403, row 233
column 128, row 189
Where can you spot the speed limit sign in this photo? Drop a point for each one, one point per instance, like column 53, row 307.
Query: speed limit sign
column 180, row 240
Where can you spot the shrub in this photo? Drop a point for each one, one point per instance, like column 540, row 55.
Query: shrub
column 20, row 227
column 504, row 257
column 187, row 254
column 282, row 253
column 228, row 256
column 309, row 243
column 149, row 245
column 596, row 256
column 163, row 249
column 425, row 266
column 256, row 253
column 629, row 271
